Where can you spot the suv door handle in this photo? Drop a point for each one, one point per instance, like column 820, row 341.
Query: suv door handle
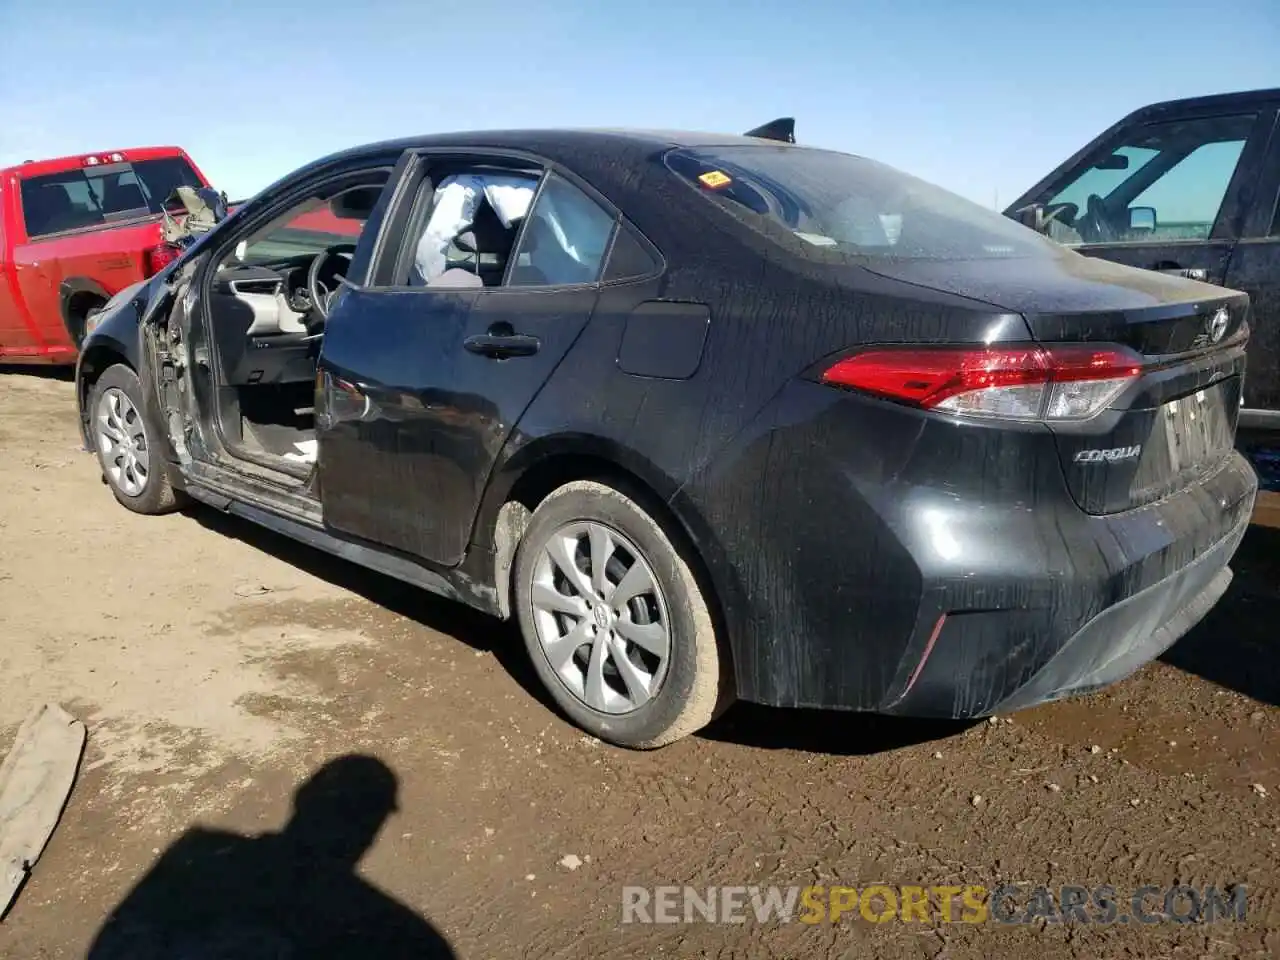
column 1191, row 273
column 499, row 344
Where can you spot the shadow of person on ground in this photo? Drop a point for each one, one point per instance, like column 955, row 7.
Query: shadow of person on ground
column 217, row 895
column 1235, row 645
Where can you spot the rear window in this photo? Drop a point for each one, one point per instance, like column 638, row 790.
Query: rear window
column 91, row 196
column 837, row 203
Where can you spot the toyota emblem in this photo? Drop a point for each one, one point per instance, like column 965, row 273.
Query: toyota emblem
column 1218, row 325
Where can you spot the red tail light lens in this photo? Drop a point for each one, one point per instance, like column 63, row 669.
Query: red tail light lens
column 1027, row 382
column 160, row 256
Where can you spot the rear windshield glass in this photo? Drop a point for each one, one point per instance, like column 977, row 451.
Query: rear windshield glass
column 91, row 196
column 839, row 203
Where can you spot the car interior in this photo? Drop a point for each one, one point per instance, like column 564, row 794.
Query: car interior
column 267, row 306
column 268, row 299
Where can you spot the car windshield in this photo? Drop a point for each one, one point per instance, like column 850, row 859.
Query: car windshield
column 846, row 204
column 92, row 196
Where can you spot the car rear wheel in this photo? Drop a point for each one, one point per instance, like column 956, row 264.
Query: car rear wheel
column 615, row 621
column 122, row 438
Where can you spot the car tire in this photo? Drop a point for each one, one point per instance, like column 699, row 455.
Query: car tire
column 615, row 688
column 135, row 471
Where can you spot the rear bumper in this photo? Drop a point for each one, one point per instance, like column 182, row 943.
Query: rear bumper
column 871, row 558
column 974, row 667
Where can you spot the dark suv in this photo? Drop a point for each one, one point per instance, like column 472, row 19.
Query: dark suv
column 1188, row 187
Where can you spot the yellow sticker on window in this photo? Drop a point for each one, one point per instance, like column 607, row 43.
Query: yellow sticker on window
column 715, row 179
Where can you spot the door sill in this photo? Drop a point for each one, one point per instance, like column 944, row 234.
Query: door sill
column 219, row 486
column 311, row 531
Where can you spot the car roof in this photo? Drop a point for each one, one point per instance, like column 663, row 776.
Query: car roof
column 1242, row 98
column 555, row 142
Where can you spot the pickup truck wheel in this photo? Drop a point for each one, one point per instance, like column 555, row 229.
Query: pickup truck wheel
column 123, row 440
column 615, row 621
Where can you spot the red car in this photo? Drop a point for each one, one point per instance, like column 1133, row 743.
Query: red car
column 73, row 232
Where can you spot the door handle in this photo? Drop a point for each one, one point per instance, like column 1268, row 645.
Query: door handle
column 1191, row 273
column 501, row 345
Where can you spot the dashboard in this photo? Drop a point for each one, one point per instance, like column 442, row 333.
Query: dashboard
column 276, row 296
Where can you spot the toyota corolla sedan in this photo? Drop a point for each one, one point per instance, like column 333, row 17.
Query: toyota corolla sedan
column 711, row 417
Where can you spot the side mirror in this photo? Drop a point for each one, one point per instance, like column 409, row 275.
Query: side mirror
column 1032, row 215
column 1039, row 217
column 1142, row 219
column 242, row 250
column 216, row 201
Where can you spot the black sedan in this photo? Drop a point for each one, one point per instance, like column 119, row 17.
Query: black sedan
column 710, row 416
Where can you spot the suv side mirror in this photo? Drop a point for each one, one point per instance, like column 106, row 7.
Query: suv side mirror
column 1038, row 216
column 1142, row 219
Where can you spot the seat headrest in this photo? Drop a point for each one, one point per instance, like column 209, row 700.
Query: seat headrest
column 488, row 233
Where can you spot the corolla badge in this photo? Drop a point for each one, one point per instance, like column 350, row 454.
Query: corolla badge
column 1218, row 324
column 1110, row 455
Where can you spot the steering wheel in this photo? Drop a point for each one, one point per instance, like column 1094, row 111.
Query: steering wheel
column 322, row 276
column 1095, row 226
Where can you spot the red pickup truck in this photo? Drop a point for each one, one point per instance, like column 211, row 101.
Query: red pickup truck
column 73, row 232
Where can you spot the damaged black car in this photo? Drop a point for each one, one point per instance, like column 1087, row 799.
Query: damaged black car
column 711, row 417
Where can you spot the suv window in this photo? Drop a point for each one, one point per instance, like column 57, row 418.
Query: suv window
column 822, row 202
column 564, row 240
column 92, row 196
column 1158, row 182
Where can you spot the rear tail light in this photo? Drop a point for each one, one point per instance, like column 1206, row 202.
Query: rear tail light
column 1028, row 382
column 160, row 256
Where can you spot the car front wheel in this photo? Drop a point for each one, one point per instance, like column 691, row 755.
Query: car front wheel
column 615, row 621
column 122, row 438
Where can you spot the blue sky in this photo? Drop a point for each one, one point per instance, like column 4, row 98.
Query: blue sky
column 979, row 96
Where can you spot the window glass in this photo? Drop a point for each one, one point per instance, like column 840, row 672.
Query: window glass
column 468, row 234
column 837, row 203
column 313, row 225
column 1162, row 182
column 92, row 196
column 565, row 239
column 628, row 257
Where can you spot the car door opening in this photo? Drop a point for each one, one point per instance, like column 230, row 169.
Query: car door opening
column 267, row 304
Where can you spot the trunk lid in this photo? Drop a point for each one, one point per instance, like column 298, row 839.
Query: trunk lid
column 1177, row 422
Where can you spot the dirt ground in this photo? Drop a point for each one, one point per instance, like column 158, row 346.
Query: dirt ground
column 218, row 667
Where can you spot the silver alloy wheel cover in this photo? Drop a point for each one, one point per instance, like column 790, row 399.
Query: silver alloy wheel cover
column 599, row 616
column 122, row 440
